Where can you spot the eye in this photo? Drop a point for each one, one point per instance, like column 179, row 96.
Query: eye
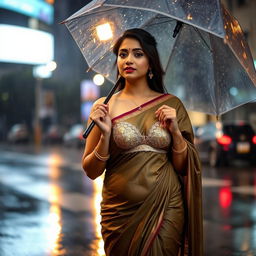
column 122, row 54
column 138, row 54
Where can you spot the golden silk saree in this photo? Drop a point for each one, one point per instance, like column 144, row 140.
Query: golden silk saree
column 148, row 209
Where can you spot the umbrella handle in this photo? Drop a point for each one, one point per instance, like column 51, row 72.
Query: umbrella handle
column 91, row 125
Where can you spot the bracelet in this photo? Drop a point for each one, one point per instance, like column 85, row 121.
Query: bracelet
column 180, row 151
column 101, row 158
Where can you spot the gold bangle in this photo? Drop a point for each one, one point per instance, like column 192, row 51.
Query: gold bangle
column 180, row 151
column 101, row 158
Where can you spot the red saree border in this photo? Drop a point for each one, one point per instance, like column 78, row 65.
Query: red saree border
column 142, row 107
column 153, row 235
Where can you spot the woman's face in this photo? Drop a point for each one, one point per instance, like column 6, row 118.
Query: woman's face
column 132, row 62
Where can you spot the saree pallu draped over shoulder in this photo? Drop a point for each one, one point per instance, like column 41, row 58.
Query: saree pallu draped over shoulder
column 147, row 208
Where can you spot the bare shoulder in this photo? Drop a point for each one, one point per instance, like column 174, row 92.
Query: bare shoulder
column 112, row 103
column 102, row 99
column 116, row 105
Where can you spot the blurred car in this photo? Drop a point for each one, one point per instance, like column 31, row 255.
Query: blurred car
column 219, row 143
column 18, row 134
column 53, row 135
column 74, row 137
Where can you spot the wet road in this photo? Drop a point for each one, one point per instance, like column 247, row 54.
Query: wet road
column 49, row 207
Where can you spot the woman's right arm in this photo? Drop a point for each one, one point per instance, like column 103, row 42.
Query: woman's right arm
column 97, row 143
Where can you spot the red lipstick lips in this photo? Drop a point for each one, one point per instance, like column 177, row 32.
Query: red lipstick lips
column 129, row 69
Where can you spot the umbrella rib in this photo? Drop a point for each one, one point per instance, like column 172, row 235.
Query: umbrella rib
column 148, row 21
column 89, row 13
column 166, row 15
column 172, row 51
column 98, row 60
column 162, row 22
column 215, row 100
column 197, row 30
column 216, row 88
column 168, row 7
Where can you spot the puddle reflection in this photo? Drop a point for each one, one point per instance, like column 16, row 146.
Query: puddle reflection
column 54, row 162
column 54, row 232
column 225, row 197
column 97, row 197
column 55, row 215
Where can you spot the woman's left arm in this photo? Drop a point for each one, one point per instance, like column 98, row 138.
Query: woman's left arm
column 168, row 120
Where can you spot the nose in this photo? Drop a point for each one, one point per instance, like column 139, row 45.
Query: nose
column 128, row 63
column 129, row 59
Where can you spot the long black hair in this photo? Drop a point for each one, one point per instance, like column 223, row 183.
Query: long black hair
column 148, row 44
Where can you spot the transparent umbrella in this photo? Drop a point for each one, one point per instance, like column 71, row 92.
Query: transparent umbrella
column 208, row 64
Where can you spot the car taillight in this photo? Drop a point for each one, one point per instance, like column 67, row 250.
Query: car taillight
column 254, row 139
column 224, row 140
column 225, row 197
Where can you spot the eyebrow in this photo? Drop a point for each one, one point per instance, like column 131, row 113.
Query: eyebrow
column 135, row 49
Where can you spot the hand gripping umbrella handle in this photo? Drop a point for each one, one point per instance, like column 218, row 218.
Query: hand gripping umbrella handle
column 91, row 125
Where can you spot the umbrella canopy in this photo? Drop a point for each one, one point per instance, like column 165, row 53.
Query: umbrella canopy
column 208, row 64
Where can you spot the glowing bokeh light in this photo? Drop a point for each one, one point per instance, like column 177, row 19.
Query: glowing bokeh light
column 225, row 197
column 98, row 79
column 104, row 32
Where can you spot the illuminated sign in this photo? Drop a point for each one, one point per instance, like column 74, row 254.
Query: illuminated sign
column 24, row 45
column 89, row 93
column 34, row 8
column 50, row 1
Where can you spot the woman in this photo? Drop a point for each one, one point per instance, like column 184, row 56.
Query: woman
column 143, row 138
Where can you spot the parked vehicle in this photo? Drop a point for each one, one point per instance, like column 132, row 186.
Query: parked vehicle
column 220, row 143
column 18, row 134
column 53, row 135
column 74, row 137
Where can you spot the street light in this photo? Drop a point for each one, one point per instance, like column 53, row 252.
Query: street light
column 40, row 72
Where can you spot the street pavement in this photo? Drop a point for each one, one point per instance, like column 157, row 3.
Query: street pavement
column 49, row 207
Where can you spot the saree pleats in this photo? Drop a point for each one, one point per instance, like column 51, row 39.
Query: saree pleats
column 147, row 208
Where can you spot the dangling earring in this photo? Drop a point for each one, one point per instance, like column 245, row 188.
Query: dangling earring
column 150, row 74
